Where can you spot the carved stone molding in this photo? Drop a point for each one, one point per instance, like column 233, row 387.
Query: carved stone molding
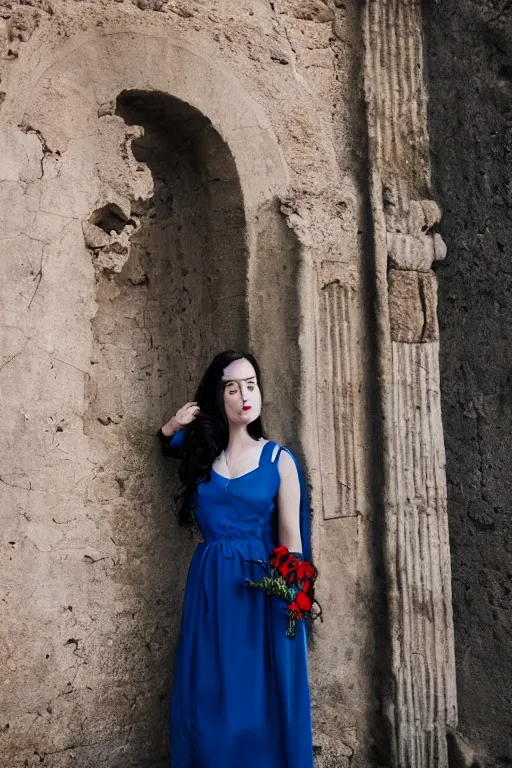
column 422, row 636
column 336, row 389
column 412, row 247
column 413, row 306
column 420, row 697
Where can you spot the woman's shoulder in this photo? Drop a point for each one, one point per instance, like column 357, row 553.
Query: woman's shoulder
column 283, row 456
column 278, row 448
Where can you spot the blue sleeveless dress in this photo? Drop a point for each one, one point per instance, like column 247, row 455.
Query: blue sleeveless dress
column 240, row 697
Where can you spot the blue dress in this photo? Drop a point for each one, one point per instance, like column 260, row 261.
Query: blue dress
column 240, row 697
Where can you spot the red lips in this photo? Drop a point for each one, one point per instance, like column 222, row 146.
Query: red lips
column 247, row 407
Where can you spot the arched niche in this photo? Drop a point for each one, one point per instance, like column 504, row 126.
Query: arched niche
column 69, row 87
column 173, row 300
column 183, row 242
column 193, row 227
column 91, row 69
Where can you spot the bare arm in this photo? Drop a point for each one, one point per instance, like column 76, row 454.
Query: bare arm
column 170, row 440
column 288, row 502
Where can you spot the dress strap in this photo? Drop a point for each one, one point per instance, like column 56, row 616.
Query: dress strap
column 276, row 450
column 270, row 452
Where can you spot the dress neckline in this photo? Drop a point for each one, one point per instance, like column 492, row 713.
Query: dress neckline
column 245, row 474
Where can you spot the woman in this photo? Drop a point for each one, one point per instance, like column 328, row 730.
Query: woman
column 240, row 696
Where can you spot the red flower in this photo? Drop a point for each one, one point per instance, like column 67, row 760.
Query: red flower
column 306, row 571
column 304, row 602
column 287, row 566
column 301, row 571
column 289, row 574
column 278, row 552
column 294, row 608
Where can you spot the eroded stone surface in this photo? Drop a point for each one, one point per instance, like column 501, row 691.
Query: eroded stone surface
column 418, row 672
column 176, row 175
column 469, row 49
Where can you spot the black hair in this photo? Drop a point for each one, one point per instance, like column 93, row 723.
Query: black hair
column 208, row 434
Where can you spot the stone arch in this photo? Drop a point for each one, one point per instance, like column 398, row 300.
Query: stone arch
column 83, row 78
column 118, row 562
column 97, row 66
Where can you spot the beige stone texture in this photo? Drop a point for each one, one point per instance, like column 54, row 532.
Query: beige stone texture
column 413, row 306
column 177, row 177
column 418, row 692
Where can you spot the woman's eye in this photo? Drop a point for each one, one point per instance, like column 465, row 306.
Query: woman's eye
column 232, row 392
column 251, row 387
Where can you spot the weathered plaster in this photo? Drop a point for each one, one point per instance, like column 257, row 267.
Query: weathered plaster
column 119, row 247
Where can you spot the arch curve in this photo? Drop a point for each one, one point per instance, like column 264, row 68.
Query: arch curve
column 101, row 65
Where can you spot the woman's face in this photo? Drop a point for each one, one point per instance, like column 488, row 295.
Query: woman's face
column 242, row 395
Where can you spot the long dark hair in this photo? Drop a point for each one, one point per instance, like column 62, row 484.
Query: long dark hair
column 208, row 434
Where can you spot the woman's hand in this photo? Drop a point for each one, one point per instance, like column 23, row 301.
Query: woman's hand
column 185, row 415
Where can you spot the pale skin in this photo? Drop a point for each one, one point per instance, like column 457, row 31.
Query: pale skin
column 242, row 403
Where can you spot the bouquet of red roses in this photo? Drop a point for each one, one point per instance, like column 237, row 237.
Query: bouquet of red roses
column 293, row 581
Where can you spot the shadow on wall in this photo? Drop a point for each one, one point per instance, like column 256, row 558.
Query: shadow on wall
column 275, row 323
column 179, row 298
column 468, row 64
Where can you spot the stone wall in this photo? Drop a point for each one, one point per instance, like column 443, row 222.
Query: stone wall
column 176, row 177
column 469, row 77
column 182, row 176
column 418, row 695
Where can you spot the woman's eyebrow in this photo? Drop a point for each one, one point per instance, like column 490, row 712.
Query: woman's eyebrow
column 230, row 381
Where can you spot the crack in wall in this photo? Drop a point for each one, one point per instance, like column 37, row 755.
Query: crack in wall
column 46, row 150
